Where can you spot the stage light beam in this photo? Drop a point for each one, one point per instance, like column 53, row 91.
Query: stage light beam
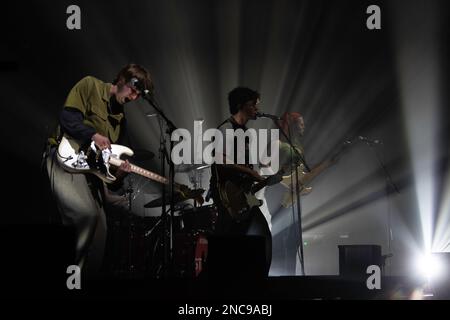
column 419, row 66
column 429, row 267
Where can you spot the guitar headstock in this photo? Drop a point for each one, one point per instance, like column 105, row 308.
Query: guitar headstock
column 344, row 147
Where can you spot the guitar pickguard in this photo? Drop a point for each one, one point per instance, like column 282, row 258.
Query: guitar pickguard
column 75, row 158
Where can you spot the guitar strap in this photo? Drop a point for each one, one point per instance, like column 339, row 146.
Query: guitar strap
column 225, row 121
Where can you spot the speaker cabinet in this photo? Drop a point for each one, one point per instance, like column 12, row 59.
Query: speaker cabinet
column 354, row 259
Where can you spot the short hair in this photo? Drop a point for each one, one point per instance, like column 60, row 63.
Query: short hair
column 134, row 71
column 240, row 95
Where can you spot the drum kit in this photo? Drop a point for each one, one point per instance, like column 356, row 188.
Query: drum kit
column 138, row 237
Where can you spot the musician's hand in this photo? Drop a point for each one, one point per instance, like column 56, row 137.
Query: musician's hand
column 123, row 170
column 125, row 166
column 256, row 175
column 101, row 141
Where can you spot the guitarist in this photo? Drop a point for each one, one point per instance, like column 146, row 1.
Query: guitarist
column 293, row 125
column 93, row 111
column 243, row 106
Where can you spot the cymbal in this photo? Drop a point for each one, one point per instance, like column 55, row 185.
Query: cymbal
column 203, row 167
column 191, row 167
column 178, row 197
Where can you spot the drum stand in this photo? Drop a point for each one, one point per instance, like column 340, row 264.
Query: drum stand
column 195, row 178
column 156, row 265
column 129, row 192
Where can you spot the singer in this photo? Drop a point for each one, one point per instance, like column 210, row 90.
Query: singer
column 93, row 111
column 236, row 217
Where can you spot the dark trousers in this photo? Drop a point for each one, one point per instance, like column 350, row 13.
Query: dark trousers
column 255, row 225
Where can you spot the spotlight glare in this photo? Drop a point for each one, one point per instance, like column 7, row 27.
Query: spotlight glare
column 429, row 266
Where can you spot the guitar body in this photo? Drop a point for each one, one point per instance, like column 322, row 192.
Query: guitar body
column 77, row 159
column 238, row 200
column 303, row 179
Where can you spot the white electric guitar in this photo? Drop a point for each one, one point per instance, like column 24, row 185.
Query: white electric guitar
column 74, row 158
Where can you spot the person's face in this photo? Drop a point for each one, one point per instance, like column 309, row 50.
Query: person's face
column 250, row 109
column 299, row 125
column 127, row 93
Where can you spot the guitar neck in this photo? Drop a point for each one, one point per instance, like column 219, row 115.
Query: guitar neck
column 318, row 169
column 140, row 171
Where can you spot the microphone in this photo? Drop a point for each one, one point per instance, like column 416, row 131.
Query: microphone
column 139, row 85
column 372, row 141
column 266, row 115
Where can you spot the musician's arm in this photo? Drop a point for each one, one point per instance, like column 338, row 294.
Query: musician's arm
column 71, row 121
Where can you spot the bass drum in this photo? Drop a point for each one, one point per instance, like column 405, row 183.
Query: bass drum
column 190, row 254
column 191, row 244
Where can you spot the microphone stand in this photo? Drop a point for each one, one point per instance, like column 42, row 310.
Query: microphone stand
column 297, row 194
column 165, row 156
column 389, row 183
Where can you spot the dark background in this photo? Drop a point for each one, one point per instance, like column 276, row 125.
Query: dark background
column 316, row 57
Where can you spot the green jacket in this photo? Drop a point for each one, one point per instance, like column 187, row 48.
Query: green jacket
column 91, row 97
column 287, row 154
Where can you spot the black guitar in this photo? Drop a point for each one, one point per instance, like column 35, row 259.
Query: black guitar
column 239, row 199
